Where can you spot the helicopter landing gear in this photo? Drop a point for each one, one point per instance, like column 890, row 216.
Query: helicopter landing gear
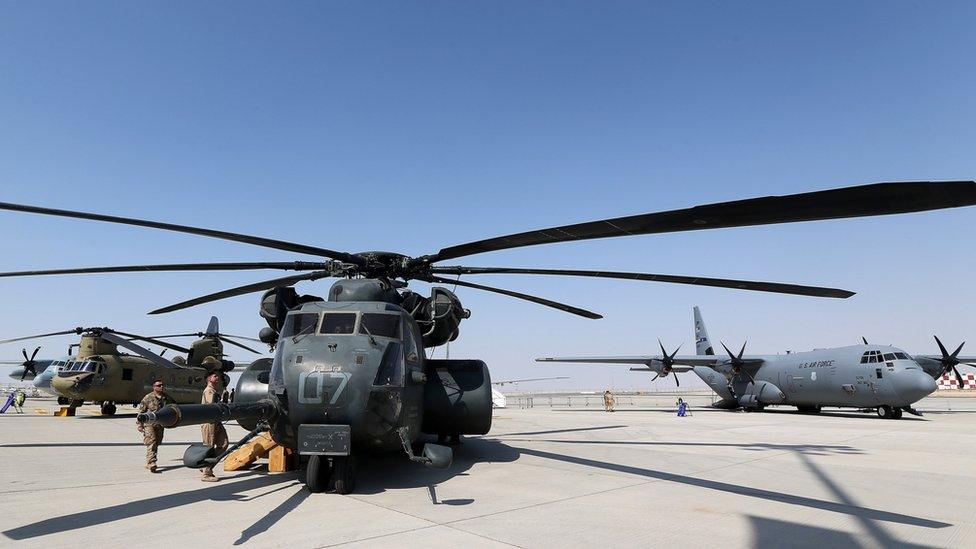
column 108, row 409
column 344, row 474
column 450, row 440
column 317, row 474
column 62, row 401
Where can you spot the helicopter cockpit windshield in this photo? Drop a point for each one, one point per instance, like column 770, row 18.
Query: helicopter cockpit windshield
column 338, row 323
column 380, row 325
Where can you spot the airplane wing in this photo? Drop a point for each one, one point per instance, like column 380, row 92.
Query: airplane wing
column 970, row 360
column 508, row 381
column 681, row 363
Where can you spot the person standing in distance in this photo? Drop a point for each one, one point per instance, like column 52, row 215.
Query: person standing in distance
column 152, row 435
column 214, row 433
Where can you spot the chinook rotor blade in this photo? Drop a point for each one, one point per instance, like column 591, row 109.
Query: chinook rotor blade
column 532, row 298
column 773, row 287
column 66, row 332
column 149, row 339
column 242, row 290
column 236, row 344
column 281, row 265
column 113, row 337
column 223, row 235
column 859, row 201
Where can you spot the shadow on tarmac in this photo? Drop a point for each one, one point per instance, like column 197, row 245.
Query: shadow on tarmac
column 389, row 472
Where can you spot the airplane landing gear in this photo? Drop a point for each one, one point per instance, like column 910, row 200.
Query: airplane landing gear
column 887, row 412
column 814, row 409
column 108, row 409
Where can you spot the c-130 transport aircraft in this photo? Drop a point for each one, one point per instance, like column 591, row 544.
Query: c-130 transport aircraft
column 858, row 376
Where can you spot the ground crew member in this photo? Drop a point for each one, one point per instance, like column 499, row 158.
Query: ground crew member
column 152, row 435
column 214, row 434
column 607, row 401
column 19, row 398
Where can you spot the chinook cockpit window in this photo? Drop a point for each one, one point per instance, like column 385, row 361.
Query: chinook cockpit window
column 339, row 323
column 299, row 324
column 380, row 325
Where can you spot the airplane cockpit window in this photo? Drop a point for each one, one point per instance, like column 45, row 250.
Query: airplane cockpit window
column 379, row 325
column 299, row 324
column 339, row 323
column 903, row 356
column 889, row 356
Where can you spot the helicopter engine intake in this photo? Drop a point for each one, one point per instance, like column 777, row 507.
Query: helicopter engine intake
column 438, row 316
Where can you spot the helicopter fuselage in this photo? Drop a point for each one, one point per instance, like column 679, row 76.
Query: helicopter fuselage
column 355, row 364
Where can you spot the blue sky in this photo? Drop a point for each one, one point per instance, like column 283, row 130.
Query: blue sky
column 412, row 126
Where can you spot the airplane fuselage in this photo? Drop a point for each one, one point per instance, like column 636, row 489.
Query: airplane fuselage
column 859, row 376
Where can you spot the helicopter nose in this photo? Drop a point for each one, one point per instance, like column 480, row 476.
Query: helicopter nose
column 913, row 384
column 72, row 386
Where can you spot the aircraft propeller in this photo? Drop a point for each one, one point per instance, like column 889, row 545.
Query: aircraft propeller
column 848, row 202
column 29, row 363
column 667, row 362
column 737, row 366
column 949, row 361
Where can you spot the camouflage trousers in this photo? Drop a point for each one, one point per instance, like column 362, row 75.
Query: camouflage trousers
column 215, row 435
column 152, row 437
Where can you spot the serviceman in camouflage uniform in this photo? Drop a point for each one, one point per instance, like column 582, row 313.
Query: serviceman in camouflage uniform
column 152, row 435
column 214, row 434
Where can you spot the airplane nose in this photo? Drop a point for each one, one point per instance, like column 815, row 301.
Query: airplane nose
column 912, row 385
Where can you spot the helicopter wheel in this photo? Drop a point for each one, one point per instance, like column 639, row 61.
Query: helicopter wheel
column 317, row 474
column 62, row 401
column 108, row 409
column 344, row 474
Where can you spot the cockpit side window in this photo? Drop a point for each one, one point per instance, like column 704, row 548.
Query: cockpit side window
column 889, row 356
column 380, row 325
column 339, row 323
column 902, row 356
column 299, row 323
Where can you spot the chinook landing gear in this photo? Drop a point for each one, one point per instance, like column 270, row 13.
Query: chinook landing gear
column 108, row 409
column 337, row 474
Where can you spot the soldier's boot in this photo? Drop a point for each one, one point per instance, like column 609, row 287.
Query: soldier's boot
column 208, row 475
column 151, row 467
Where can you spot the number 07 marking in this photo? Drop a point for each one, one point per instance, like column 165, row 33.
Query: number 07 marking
column 318, row 378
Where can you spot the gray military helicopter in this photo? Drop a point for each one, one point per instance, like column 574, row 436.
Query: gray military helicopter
column 878, row 377
column 350, row 374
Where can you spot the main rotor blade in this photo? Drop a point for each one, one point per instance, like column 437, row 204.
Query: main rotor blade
column 66, row 332
column 153, row 340
column 283, row 265
column 773, row 287
column 223, row 235
column 533, row 299
column 232, row 342
column 139, row 350
column 241, row 290
column 858, row 201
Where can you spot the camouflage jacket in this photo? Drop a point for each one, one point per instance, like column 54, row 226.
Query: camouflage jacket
column 151, row 402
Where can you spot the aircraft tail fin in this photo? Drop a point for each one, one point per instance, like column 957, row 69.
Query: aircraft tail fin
column 703, row 345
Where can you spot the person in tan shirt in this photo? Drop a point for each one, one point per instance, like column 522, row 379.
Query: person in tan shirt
column 214, row 433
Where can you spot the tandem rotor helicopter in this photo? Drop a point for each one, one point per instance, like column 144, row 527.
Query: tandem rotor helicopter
column 99, row 372
column 350, row 374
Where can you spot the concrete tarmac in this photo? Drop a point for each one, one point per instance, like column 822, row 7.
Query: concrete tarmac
column 541, row 478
